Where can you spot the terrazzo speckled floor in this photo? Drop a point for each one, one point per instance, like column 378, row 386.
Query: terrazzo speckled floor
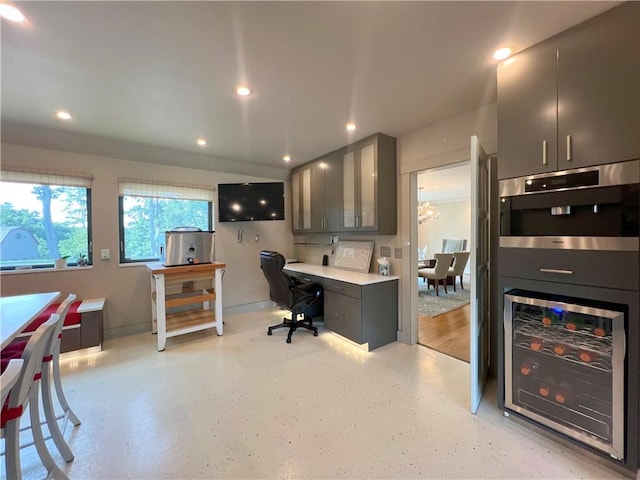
column 246, row 405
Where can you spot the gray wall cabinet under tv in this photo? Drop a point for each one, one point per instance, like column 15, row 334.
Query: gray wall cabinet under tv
column 352, row 189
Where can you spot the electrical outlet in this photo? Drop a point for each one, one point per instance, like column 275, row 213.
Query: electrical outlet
column 385, row 251
column 397, row 252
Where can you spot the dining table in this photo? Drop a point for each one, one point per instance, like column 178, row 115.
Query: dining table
column 17, row 312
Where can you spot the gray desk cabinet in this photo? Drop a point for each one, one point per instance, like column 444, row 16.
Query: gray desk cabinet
column 573, row 100
column 362, row 313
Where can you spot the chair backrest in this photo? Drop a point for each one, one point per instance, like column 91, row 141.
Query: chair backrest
column 54, row 344
column 450, row 246
column 9, row 378
column 32, row 357
column 443, row 262
column 461, row 259
column 271, row 264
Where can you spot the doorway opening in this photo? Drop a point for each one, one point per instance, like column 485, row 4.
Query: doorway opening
column 443, row 282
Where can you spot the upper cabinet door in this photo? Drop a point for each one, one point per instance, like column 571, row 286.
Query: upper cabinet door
column 332, row 192
column 368, row 182
column 348, row 190
column 318, row 196
column 301, row 199
column 295, row 201
column 527, row 112
column 599, row 90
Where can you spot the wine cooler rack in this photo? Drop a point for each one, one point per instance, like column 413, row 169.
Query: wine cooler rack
column 565, row 362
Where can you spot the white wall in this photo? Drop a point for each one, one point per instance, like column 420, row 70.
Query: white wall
column 127, row 288
column 454, row 223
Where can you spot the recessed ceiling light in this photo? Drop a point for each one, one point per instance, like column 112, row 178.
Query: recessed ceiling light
column 502, row 53
column 201, row 141
column 243, row 91
column 11, row 13
column 351, row 126
column 286, row 158
column 62, row 115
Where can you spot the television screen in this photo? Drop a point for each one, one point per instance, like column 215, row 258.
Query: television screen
column 248, row 202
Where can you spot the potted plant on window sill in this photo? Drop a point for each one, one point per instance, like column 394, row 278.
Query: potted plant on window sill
column 82, row 260
column 61, row 262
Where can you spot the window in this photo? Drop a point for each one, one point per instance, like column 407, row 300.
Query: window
column 44, row 215
column 147, row 210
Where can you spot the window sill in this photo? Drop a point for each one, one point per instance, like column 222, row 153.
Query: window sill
column 44, row 270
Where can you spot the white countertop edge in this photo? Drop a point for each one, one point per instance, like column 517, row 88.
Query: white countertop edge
column 332, row 273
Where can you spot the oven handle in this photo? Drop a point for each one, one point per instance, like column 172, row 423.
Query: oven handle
column 555, row 270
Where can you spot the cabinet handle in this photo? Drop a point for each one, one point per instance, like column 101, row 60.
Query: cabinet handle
column 555, row 270
column 337, row 287
column 545, row 161
column 569, row 148
column 339, row 315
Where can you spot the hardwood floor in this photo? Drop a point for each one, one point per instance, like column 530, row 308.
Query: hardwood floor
column 447, row 333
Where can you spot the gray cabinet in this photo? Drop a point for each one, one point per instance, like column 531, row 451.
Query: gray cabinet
column 325, row 194
column 369, row 186
column 315, row 195
column 362, row 313
column 352, row 189
column 301, row 199
column 573, row 100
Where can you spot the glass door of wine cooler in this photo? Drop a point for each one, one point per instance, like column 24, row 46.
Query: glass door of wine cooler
column 564, row 367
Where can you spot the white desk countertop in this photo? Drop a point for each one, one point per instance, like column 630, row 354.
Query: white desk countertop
column 338, row 274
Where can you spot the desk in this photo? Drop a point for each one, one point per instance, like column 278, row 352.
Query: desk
column 19, row 311
column 362, row 307
column 180, row 286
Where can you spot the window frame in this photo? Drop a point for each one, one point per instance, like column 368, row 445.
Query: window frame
column 121, row 230
column 72, row 262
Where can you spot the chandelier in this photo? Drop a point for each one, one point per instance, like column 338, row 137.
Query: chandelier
column 427, row 213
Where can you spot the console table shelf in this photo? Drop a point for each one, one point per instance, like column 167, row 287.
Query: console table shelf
column 181, row 286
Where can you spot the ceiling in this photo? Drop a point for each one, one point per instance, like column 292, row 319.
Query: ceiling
column 445, row 184
column 163, row 74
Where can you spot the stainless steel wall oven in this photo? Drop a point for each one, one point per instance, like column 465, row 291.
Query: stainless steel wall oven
column 565, row 366
column 594, row 208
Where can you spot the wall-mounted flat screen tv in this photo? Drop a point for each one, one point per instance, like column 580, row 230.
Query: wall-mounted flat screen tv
column 250, row 202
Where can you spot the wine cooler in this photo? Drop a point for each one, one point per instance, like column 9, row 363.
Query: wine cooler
column 565, row 366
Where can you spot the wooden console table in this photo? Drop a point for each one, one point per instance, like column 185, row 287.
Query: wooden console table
column 180, row 286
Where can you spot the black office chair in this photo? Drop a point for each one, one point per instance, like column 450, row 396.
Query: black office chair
column 291, row 294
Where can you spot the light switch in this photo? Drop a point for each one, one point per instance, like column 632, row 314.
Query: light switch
column 105, row 254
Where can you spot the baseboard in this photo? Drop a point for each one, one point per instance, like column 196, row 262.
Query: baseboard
column 247, row 307
column 126, row 331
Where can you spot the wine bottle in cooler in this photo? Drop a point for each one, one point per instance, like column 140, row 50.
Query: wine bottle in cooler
column 562, row 393
column 528, row 368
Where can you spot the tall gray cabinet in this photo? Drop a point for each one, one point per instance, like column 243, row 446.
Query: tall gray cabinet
column 573, row 100
column 352, row 189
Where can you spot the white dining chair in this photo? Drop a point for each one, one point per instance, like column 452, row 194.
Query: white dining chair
column 9, row 377
column 25, row 392
column 52, row 375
